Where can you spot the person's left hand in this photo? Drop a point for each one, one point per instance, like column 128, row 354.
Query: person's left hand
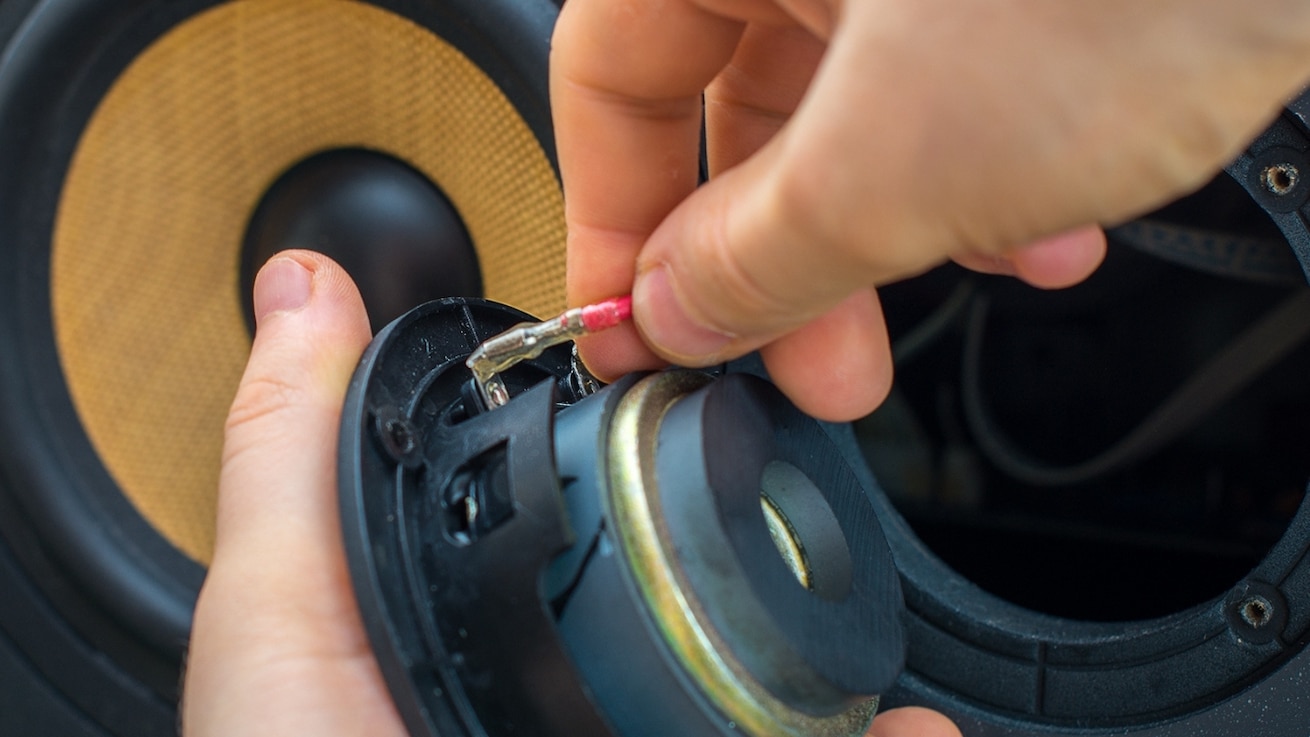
column 277, row 646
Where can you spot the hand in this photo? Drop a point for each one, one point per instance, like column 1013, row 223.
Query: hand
column 856, row 143
column 278, row 647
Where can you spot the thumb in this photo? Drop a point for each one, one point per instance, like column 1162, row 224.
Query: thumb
column 912, row 721
column 281, row 433
column 740, row 263
column 276, row 607
column 754, row 255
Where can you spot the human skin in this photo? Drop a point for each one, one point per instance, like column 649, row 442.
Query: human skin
column 277, row 645
column 852, row 144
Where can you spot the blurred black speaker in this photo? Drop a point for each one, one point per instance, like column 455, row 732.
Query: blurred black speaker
column 152, row 154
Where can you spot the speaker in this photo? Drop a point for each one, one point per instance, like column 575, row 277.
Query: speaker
column 152, row 154
column 1096, row 497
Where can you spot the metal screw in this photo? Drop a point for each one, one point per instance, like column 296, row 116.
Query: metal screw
column 1280, row 179
column 1256, row 611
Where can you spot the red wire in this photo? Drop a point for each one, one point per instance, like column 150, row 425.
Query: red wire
column 607, row 314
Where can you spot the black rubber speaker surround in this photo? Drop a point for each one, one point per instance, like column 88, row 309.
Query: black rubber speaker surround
column 95, row 605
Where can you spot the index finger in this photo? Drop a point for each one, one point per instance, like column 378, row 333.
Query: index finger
column 626, row 82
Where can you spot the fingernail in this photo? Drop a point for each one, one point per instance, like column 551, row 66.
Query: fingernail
column 666, row 325
column 282, row 285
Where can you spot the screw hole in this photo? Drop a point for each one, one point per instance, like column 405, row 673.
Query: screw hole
column 1280, row 179
column 400, row 435
column 1257, row 611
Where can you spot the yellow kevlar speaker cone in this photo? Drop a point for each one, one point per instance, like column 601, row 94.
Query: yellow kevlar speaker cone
column 147, row 246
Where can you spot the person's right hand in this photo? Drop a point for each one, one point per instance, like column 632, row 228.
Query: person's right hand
column 856, row 143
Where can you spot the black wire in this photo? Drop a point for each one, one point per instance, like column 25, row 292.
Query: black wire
column 1246, row 357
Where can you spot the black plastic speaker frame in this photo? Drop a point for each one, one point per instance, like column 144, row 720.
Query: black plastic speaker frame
column 95, row 605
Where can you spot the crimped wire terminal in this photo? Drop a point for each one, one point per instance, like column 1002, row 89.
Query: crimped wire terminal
column 528, row 340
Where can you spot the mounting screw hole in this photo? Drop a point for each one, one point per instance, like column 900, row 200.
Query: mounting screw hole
column 1257, row 611
column 1280, row 179
column 399, row 436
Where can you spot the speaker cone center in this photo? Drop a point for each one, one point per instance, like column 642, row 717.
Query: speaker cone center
column 391, row 228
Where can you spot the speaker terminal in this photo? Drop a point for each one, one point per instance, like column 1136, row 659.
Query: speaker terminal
column 528, row 340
